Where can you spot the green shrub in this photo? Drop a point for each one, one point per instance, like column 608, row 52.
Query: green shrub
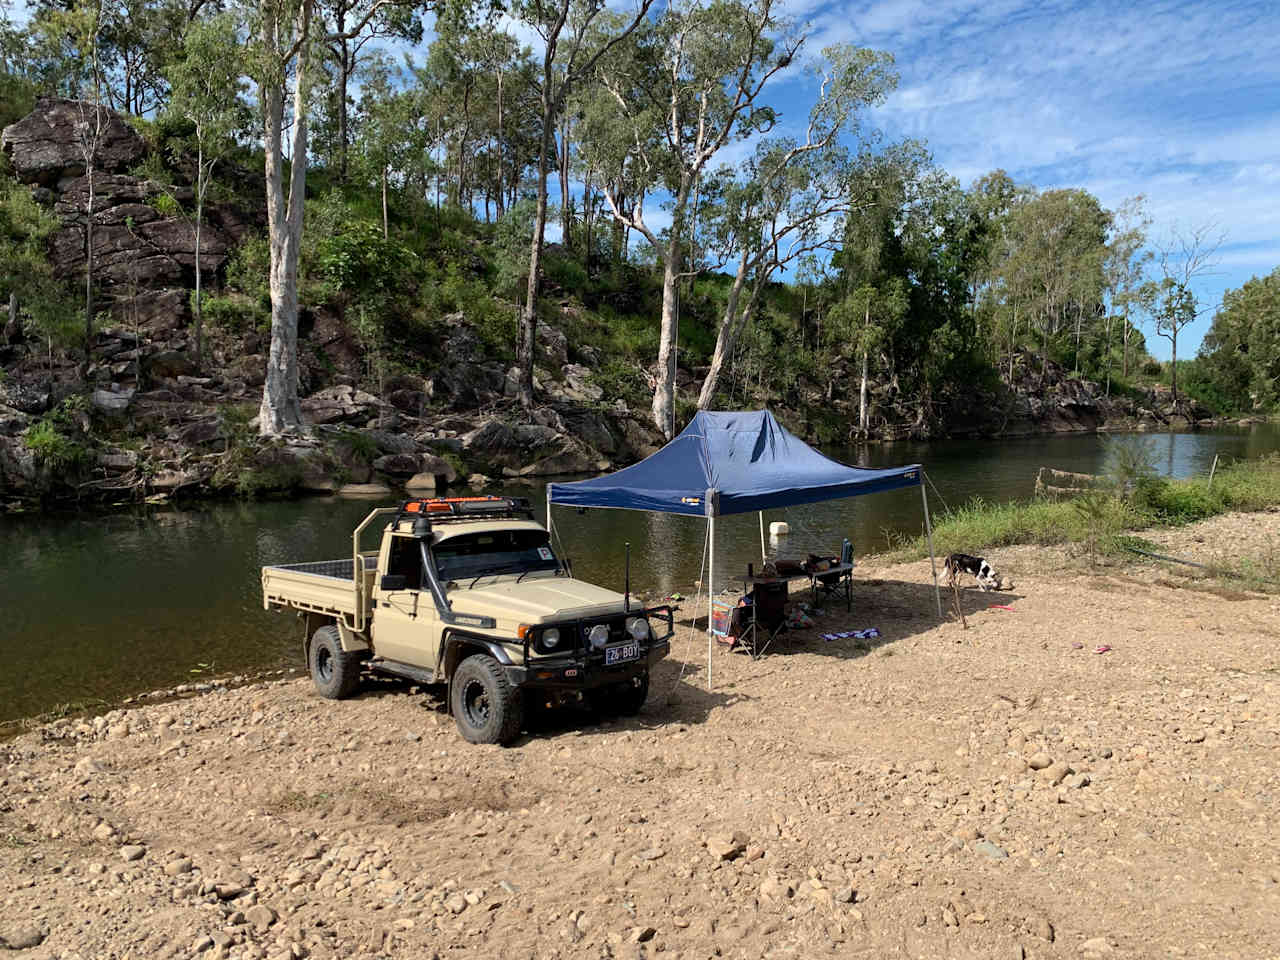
column 496, row 324
column 165, row 204
column 360, row 445
column 618, row 378
column 248, row 270
column 234, row 312
column 565, row 273
column 53, row 449
column 1175, row 501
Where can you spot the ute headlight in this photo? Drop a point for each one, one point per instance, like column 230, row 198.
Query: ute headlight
column 599, row 635
column 551, row 638
column 638, row 628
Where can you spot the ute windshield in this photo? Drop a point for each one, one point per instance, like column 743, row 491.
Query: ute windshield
column 474, row 555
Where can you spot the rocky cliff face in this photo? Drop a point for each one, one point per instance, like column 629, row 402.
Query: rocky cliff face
column 150, row 423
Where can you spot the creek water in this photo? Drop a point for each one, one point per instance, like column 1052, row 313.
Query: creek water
column 98, row 605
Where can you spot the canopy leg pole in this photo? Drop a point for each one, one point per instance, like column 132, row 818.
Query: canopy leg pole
column 549, row 530
column 711, row 566
column 763, row 556
column 928, row 532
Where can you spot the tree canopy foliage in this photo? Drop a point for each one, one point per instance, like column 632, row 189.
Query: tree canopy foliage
column 407, row 154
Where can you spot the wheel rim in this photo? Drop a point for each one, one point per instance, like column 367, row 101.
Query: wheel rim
column 475, row 703
column 324, row 664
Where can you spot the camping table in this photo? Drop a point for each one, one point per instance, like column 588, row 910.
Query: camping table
column 845, row 579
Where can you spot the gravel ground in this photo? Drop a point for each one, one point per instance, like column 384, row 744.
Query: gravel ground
column 997, row 791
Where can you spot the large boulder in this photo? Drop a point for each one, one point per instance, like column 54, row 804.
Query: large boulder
column 47, row 145
column 554, row 344
column 24, row 398
column 401, row 464
column 490, row 438
column 592, row 428
column 340, row 404
column 133, row 243
column 18, row 470
column 12, row 422
column 153, row 311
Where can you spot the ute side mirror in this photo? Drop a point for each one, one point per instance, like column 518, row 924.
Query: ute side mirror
column 393, row 581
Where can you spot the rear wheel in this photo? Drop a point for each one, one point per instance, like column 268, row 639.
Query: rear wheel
column 334, row 671
column 485, row 705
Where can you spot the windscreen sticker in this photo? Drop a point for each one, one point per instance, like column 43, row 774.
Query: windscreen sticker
column 545, row 553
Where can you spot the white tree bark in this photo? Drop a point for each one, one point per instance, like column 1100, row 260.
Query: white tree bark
column 664, row 392
column 280, row 412
column 862, row 393
column 725, row 336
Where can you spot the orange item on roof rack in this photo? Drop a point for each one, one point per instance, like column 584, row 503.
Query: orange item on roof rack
column 442, row 504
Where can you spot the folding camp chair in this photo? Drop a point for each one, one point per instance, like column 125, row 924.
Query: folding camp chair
column 723, row 614
column 835, row 580
column 765, row 616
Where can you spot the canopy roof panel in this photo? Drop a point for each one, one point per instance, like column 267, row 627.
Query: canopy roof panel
column 724, row 463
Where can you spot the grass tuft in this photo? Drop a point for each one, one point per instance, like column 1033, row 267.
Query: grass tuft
column 1246, row 486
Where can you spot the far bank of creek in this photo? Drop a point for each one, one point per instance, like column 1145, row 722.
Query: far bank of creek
column 98, row 605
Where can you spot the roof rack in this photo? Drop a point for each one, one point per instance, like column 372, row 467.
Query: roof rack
column 446, row 509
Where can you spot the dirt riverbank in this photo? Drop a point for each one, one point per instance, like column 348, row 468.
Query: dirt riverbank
column 1002, row 791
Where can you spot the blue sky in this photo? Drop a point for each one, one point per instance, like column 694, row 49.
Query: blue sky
column 1179, row 102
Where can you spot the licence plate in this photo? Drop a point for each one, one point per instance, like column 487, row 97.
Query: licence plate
column 622, row 653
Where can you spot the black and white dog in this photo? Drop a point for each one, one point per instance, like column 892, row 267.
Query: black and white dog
column 977, row 567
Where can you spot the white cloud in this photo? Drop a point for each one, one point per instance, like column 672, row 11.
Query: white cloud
column 1177, row 101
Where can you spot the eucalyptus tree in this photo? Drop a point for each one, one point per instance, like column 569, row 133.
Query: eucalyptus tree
column 875, row 285
column 792, row 194
column 285, row 34
column 386, row 115
column 1059, row 237
column 564, row 27
column 1184, row 259
column 80, row 26
column 692, row 82
column 349, row 27
column 206, row 86
column 1125, row 272
column 1242, row 347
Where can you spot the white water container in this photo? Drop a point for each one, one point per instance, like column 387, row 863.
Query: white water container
column 779, row 528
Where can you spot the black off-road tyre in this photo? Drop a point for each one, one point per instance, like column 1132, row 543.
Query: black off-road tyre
column 485, row 705
column 334, row 671
column 629, row 697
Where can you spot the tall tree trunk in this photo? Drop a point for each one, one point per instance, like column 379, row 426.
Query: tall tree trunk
column 200, row 188
column 664, row 392
column 1124, row 351
column 498, row 191
column 862, row 393
column 1173, row 369
column 344, row 77
column 1110, row 323
column 566, row 210
column 88, row 266
column 588, row 218
column 280, row 411
column 386, row 233
column 529, row 318
column 725, row 337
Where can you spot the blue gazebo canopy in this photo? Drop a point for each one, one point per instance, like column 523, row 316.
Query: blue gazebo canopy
column 725, row 463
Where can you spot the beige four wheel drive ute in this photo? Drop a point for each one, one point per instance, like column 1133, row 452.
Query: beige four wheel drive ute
column 467, row 593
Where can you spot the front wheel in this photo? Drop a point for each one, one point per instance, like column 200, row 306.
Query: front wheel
column 632, row 695
column 334, row 671
column 485, row 705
